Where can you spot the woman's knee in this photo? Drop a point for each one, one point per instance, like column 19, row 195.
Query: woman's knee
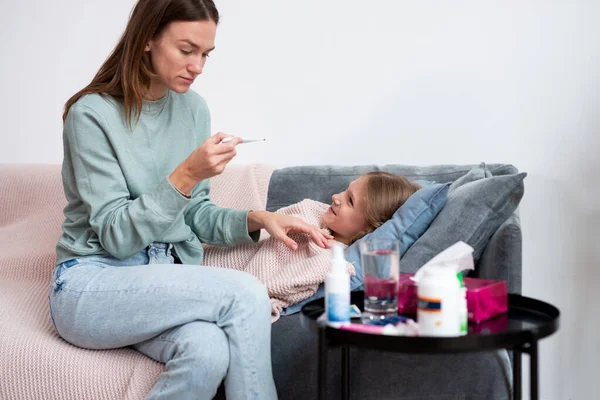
column 252, row 292
column 207, row 348
column 196, row 355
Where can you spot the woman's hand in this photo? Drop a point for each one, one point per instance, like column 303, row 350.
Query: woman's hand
column 279, row 226
column 207, row 160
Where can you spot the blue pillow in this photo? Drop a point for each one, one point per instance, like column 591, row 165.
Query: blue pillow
column 407, row 224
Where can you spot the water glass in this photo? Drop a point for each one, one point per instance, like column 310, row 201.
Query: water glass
column 381, row 267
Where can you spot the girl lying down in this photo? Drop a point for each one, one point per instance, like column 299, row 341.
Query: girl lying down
column 294, row 275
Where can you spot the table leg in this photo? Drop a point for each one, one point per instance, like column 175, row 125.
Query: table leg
column 533, row 370
column 517, row 387
column 322, row 381
column 345, row 372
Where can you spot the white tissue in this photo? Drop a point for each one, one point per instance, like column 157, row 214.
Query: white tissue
column 459, row 256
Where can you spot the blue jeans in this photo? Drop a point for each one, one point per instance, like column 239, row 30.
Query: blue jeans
column 206, row 324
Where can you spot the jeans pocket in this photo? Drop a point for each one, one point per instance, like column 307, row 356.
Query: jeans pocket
column 57, row 281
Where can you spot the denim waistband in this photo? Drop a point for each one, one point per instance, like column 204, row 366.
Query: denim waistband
column 160, row 245
column 156, row 252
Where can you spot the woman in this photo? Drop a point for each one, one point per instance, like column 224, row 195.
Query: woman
column 293, row 276
column 137, row 155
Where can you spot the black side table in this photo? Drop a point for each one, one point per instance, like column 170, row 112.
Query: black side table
column 527, row 321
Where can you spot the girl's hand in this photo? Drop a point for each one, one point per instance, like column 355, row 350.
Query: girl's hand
column 279, row 226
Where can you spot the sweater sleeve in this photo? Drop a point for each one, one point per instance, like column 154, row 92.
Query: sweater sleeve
column 217, row 225
column 211, row 223
column 123, row 226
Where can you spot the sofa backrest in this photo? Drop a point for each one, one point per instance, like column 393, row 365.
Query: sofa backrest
column 293, row 184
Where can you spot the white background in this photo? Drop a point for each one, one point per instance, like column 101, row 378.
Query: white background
column 356, row 82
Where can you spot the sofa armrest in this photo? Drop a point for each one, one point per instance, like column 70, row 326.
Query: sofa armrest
column 502, row 257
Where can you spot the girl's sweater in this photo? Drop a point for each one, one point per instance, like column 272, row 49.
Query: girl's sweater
column 290, row 276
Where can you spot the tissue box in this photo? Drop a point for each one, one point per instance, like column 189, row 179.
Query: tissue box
column 497, row 324
column 486, row 298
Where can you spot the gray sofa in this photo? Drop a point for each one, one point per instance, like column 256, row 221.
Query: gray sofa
column 380, row 375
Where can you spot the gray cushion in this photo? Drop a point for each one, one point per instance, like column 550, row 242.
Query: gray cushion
column 473, row 212
column 476, row 173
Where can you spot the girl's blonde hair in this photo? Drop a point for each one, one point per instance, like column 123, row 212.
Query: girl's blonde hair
column 385, row 193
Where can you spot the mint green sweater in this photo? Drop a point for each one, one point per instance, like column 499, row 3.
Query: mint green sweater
column 116, row 181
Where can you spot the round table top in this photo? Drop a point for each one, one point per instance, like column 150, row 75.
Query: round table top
column 527, row 320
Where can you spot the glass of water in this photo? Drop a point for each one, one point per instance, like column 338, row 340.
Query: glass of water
column 381, row 267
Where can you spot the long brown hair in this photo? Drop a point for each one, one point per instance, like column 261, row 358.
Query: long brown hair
column 385, row 193
column 127, row 72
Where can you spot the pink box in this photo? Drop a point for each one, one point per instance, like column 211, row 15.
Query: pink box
column 486, row 298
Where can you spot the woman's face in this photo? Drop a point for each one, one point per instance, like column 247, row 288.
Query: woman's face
column 178, row 55
column 346, row 216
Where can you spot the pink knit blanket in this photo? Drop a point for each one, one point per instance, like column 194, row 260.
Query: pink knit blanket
column 290, row 276
column 35, row 363
column 243, row 187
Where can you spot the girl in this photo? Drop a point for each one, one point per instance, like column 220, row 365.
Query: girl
column 292, row 276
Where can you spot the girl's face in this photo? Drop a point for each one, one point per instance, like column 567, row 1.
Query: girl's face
column 178, row 55
column 346, row 216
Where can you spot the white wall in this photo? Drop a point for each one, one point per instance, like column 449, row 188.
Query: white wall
column 356, row 82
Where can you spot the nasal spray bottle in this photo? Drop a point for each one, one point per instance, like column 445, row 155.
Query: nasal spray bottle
column 337, row 288
column 442, row 309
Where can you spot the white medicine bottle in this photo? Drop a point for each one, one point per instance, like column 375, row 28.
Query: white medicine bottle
column 337, row 287
column 439, row 310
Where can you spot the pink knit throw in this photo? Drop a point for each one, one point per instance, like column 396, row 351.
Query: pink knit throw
column 290, row 276
column 35, row 363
